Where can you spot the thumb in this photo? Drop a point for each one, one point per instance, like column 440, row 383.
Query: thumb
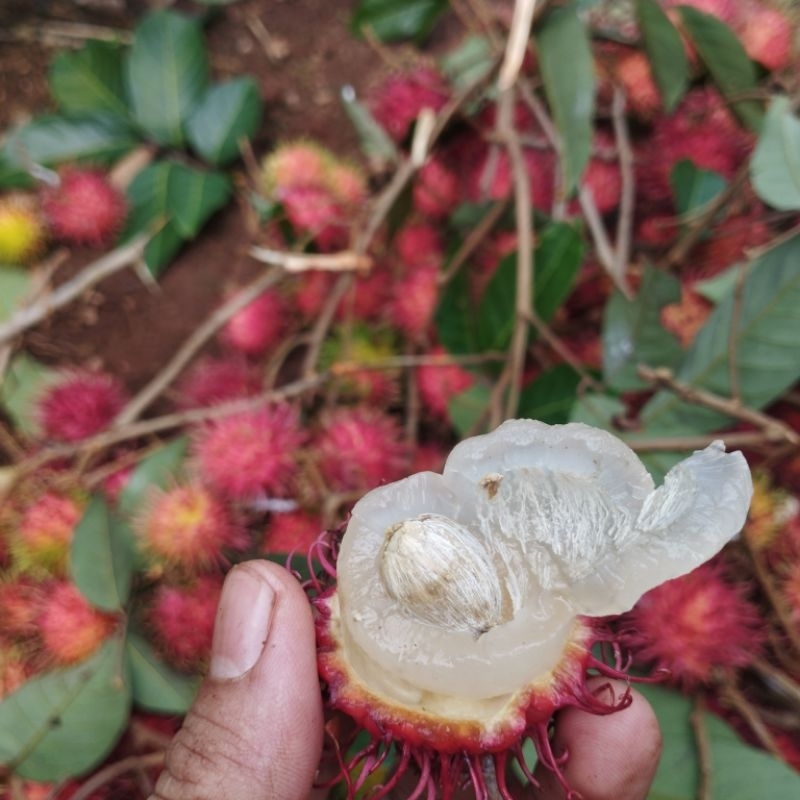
column 255, row 729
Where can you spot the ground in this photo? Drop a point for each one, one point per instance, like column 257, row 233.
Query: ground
column 301, row 53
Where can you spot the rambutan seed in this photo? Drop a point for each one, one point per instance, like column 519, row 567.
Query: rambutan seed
column 71, row 629
column 84, row 209
column 79, row 404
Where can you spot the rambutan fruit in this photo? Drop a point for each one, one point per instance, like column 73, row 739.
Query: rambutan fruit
column 84, row 208
column 71, row 629
column 438, row 384
column 42, row 540
column 436, row 190
column 258, row 327
column 79, row 404
column 296, row 163
column 347, row 184
column 398, row 101
column 216, row 380
column 181, row 620
column 314, row 212
column 188, row 529
column 632, row 71
column 249, row 453
column 467, row 603
column 414, row 301
column 291, row 532
column 767, row 36
column 23, row 233
column 726, row 10
column 419, row 245
column 602, row 176
column 15, row 669
column 358, row 448
column 20, row 603
column 695, row 626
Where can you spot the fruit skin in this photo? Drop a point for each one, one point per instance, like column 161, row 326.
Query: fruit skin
column 84, row 209
column 43, row 536
column 767, row 37
column 23, row 233
column 257, row 327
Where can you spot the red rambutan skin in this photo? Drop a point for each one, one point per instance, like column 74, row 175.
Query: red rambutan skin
column 71, row 629
column 419, row 245
column 397, row 102
column 439, row 384
column 292, row 532
column 20, row 605
column 79, row 404
column 632, row 71
column 693, row 626
column 258, row 327
column 414, row 301
column 249, row 453
column 216, row 380
column 436, row 190
column 44, row 534
column 84, row 209
column 182, row 620
column 358, row 448
column 296, row 163
column 187, row 528
column 314, row 212
column 767, row 34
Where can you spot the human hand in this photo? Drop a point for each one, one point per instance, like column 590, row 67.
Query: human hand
column 255, row 729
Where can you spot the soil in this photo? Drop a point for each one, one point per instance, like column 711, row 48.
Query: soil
column 301, row 53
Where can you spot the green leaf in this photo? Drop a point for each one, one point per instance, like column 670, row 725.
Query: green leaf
column 775, row 165
column 166, row 74
column 394, row 20
column 89, row 80
column 551, row 396
column 156, row 686
column 693, row 187
column 633, row 334
column 102, row 557
column 376, row 144
column 179, row 198
column 597, row 410
column 228, row 113
column 726, row 60
column 53, row 140
column 664, row 48
column 716, row 288
column 567, row 67
column 24, row 380
column 736, row 770
column 471, row 61
column 467, row 407
column 455, row 317
column 159, row 470
column 759, row 328
column 15, row 283
column 66, row 722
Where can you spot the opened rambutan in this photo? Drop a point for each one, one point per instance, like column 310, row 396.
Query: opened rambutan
column 438, row 384
column 186, row 528
column 358, row 448
column 84, row 208
column 397, row 102
column 258, row 327
column 79, row 404
column 249, row 453
column 181, row 619
column 217, row 380
column 436, row 190
column 467, row 604
column 695, row 626
column 42, row 540
column 414, row 301
column 22, row 231
column 291, row 532
column 71, row 629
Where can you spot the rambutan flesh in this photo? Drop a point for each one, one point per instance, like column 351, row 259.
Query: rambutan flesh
column 467, row 603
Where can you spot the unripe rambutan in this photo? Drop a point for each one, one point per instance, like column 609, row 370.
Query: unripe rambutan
column 249, row 453
column 439, row 384
column 397, row 102
column 414, row 301
column 291, row 532
column 358, row 448
column 181, row 619
column 79, row 404
column 43, row 537
column 258, row 327
column 217, row 380
column 84, row 209
column 694, row 626
column 187, row 529
column 22, row 231
column 71, row 629
column 436, row 190
column 767, row 36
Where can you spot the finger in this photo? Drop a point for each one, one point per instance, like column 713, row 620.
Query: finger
column 255, row 728
column 611, row 757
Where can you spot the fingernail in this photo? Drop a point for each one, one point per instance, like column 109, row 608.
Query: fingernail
column 242, row 625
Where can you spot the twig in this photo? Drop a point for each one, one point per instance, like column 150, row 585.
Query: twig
column 189, row 348
column 774, row 429
column 58, row 34
column 698, row 723
column 628, row 192
column 730, row 694
column 346, row 261
column 605, row 252
column 107, row 774
column 27, row 317
column 669, row 444
column 275, row 48
column 778, row 682
column 324, row 321
column 517, row 44
column 341, row 368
